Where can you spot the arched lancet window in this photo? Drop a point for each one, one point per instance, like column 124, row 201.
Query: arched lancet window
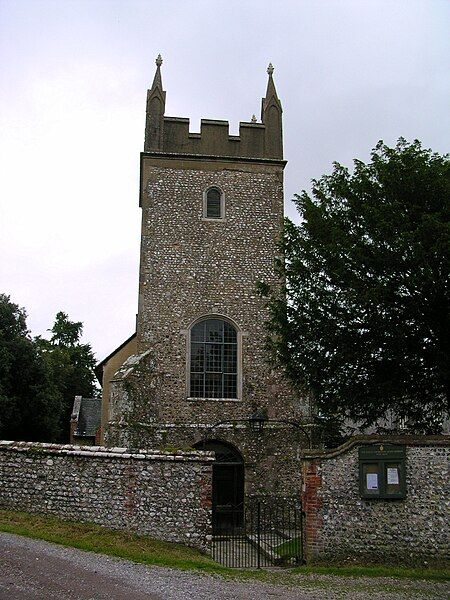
column 214, row 205
column 213, row 364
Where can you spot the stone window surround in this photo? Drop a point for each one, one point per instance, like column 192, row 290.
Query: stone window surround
column 240, row 335
column 220, row 219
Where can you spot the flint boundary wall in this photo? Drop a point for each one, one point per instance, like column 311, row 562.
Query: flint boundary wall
column 340, row 526
column 166, row 495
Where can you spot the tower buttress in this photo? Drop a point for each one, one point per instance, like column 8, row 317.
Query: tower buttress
column 271, row 112
column 156, row 103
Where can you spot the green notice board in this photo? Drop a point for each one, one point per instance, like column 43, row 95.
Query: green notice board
column 382, row 471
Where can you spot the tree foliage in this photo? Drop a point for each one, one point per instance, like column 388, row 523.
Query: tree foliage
column 29, row 401
column 71, row 365
column 364, row 324
column 39, row 378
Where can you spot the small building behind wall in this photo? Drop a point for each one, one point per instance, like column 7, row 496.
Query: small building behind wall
column 85, row 421
column 378, row 500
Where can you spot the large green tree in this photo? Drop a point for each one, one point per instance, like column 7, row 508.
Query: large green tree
column 71, row 365
column 29, row 400
column 364, row 323
column 39, row 378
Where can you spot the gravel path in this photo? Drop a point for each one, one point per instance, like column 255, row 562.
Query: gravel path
column 33, row 569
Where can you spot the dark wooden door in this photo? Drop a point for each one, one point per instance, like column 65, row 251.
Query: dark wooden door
column 228, row 497
column 228, row 487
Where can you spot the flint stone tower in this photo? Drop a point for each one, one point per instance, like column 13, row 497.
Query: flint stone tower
column 197, row 368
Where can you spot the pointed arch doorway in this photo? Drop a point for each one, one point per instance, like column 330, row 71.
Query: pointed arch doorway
column 227, row 486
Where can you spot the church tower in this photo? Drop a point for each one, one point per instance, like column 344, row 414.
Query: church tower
column 199, row 375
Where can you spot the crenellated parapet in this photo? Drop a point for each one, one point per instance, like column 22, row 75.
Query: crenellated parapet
column 214, row 139
column 172, row 135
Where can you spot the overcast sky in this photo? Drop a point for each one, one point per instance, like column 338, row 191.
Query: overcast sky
column 73, row 81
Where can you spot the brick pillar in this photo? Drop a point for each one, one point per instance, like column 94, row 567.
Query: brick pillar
column 98, row 437
column 311, row 506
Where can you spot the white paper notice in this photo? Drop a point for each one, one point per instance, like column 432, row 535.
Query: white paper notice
column 392, row 475
column 372, row 481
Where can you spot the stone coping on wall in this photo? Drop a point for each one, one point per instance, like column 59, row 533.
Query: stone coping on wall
column 104, row 452
column 358, row 440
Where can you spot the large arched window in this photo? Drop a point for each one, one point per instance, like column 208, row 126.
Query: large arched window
column 214, row 204
column 213, row 360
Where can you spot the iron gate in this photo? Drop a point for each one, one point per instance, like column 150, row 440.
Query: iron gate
column 265, row 531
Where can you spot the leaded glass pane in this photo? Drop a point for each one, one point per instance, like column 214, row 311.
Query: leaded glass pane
column 198, row 332
column 229, row 358
column 213, row 385
column 229, row 333
column 214, row 330
column 197, row 385
column 197, row 357
column 229, row 386
column 213, row 360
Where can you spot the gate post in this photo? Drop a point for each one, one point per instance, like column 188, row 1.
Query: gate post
column 300, row 514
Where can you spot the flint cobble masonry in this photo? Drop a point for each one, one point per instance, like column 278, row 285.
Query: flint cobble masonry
column 271, row 465
column 164, row 495
column 192, row 267
column 341, row 526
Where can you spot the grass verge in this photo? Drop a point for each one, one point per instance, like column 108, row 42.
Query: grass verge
column 94, row 538
column 142, row 549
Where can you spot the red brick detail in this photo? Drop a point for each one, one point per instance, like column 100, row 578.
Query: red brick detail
column 311, row 505
column 98, row 436
column 206, row 492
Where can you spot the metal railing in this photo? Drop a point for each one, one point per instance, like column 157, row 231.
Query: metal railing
column 266, row 531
